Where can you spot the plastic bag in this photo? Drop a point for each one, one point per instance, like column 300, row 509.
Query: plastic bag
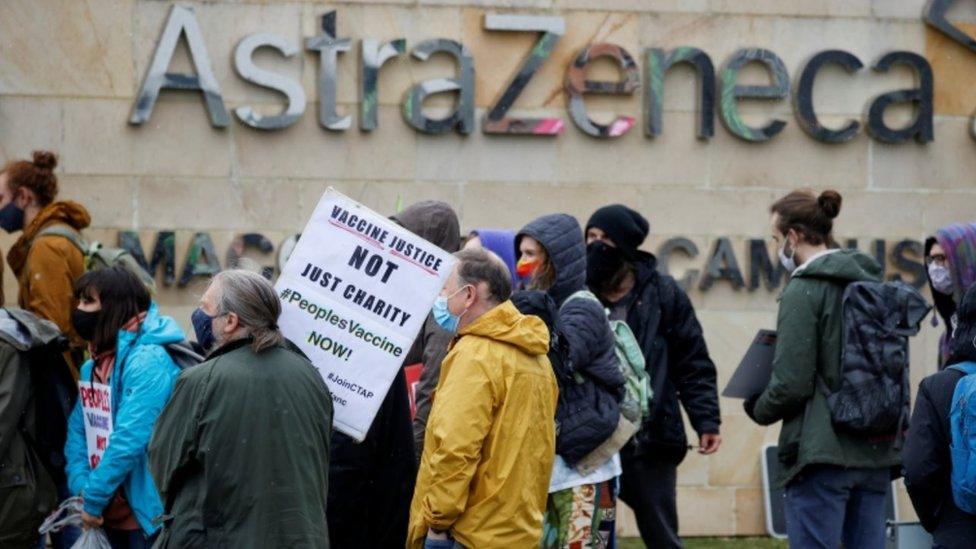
column 93, row 538
column 69, row 514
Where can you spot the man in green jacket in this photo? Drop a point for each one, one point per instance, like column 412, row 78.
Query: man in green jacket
column 836, row 483
column 241, row 452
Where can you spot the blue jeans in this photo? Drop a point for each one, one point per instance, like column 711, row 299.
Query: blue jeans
column 826, row 505
column 441, row 544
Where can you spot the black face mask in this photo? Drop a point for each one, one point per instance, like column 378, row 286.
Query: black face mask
column 602, row 263
column 11, row 218
column 85, row 323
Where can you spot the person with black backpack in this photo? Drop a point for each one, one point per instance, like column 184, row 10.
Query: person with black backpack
column 928, row 457
column 36, row 394
column 836, row 474
column 123, row 389
column 552, row 253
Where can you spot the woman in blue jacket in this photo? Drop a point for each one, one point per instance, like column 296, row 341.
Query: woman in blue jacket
column 129, row 379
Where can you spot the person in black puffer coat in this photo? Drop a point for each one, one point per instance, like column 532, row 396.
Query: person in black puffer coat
column 663, row 320
column 926, row 456
column 551, row 248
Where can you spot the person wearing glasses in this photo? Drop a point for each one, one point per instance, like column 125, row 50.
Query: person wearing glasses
column 950, row 258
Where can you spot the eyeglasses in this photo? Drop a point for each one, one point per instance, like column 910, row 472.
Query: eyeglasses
column 938, row 259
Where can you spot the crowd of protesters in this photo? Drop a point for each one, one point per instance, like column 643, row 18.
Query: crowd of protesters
column 527, row 428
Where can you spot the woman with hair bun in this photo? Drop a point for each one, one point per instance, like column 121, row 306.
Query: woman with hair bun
column 45, row 258
column 836, row 482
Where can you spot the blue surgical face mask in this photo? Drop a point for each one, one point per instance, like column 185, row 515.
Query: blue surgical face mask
column 203, row 326
column 443, row 315
column 11, row 218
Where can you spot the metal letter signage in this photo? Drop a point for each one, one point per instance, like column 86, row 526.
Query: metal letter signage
column 463, row 115
column 732, row 92
column 329, row 48
column 656, row 65
column 935, row 15
column 182, row 21
column 292, row 90
column 373, row 57
column 803, row 97
column 577, row 85
column 922, row 128
column 552, row 28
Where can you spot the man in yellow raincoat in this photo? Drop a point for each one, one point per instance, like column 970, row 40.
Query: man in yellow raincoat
column 490, row 440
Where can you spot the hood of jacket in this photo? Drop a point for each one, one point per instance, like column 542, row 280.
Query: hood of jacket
column 506, row 324
column 842, row 266
column 66, row 212
column 959, row 243
column 434, row 221
column 23, row 331
column 156, row 329
column 562, row 237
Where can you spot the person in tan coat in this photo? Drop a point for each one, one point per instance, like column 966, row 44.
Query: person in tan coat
column 46, row 265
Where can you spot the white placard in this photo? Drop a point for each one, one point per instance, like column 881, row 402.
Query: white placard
column 96, row 406
column 354, row 294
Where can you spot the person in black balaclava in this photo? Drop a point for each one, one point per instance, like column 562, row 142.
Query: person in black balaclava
column 663, row 320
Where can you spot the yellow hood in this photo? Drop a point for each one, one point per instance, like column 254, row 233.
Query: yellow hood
column 506, row 324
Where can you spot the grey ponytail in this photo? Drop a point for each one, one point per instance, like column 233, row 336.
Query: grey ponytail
column 252, row 298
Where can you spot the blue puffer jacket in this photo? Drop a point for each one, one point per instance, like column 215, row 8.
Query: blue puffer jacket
column 142, row 381
column 582, row 321
column 587, row 412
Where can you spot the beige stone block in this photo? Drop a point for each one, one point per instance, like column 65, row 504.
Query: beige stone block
column 674, row 159
column 794, row 40
column 891, row 216
column 952, row 67
column 705, row 511
column 635, row 5
column 693, row 471
column 224, row 203
column 52, row 47
column 223, row 26
column 490, row 3
column 109, row 199
column 737, row 462
column 383, row 197
column 177, row 141
column 679, row 211
column 914, row 9
column 827, row 8
column 499, row 54
column 791, row 159
column 946, row 163
column 306, row 150
column 906, row 511
column 28, row 124
column 750, row 512
column 942, row 208
column 384, row 23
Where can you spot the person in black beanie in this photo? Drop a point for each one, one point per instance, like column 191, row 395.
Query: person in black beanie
column 662, row 318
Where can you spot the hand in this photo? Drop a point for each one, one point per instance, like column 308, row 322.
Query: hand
column 431, row 534
column 709, row 443
column 88, row 521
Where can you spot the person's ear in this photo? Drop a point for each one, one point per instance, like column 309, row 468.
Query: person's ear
column 233, row 322
column 471, row 296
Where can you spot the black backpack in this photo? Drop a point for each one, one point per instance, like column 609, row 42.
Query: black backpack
column 878, row 319
column 55, row 392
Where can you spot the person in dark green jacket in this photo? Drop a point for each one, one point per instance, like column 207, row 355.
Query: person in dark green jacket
column 241, row 453
column 836, row 483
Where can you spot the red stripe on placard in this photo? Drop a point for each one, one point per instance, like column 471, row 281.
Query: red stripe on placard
column 401, row 256
column 360, row 235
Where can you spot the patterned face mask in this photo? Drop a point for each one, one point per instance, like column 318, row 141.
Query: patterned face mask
column 941, row 279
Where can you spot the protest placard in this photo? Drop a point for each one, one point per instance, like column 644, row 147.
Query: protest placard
column 355, row 293
column 96, row 406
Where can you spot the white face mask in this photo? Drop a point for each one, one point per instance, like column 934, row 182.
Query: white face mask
column 941, row 279
column 788, row 262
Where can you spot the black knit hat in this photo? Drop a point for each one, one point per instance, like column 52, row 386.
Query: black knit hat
column 624, row 226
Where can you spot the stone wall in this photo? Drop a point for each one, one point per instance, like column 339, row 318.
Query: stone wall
column 69, row 71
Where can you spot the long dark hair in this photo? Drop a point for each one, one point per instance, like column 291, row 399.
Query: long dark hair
column 122, row 296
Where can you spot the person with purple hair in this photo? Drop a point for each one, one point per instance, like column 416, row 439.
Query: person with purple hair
column 499, row 241
column 950, row 258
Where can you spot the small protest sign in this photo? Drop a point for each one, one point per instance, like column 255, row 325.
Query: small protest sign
column 96, row 405
column 355, row 292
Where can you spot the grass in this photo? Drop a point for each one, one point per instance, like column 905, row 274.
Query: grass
column 714, row 543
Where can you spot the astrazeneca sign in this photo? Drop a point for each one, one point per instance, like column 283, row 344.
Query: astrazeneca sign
column 721, row 90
